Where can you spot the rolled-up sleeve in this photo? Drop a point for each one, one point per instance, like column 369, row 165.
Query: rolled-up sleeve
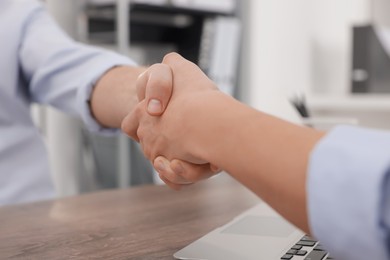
column 349, row 193
column 59, row 71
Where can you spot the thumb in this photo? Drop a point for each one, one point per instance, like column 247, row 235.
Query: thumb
column 155, row 86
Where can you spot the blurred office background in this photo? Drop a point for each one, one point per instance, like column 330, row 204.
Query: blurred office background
column 330, row 57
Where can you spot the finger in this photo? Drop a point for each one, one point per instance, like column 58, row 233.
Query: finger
column 215, row 168
column 130, row 123
column 174, row 60
column 183, row 68
column 156, row 86
column 171, row 185
column 181, row 172
column 178, row 63
column 185, row 71
column 192, row 172
column 162, row 165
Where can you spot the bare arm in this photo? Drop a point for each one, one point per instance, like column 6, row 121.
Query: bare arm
column 114, row 96
column 268, row 155
column 201, row 124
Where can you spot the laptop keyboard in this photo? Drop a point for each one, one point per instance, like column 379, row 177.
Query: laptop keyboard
column 306, row 248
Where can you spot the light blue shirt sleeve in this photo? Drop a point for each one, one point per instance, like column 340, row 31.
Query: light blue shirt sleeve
column 61, row 72
column 349, row 193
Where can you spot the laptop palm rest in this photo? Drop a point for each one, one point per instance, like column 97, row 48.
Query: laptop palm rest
column 259, row 233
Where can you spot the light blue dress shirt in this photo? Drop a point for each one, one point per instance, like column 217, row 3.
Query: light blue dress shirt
column 349, row 193
column 39, row 63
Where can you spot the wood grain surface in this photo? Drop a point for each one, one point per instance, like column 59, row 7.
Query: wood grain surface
column 150, row 222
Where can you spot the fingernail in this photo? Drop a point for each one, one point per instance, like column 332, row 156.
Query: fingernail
column 160, row 166
column 215, row 169
column 154, row 106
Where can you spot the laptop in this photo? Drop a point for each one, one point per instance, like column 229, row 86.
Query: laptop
column 259, row 233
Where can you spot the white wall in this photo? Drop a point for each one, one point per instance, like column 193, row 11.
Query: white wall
column 298, row 45
column 276, row 49
column 330, row 35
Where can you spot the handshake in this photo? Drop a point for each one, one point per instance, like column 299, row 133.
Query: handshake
column 192, row 130
column 173, row 129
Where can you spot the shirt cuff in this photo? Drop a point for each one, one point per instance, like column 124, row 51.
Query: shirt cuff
column 347, row 170
column 102, row 64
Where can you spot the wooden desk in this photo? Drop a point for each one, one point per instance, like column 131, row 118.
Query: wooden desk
column 149, row 222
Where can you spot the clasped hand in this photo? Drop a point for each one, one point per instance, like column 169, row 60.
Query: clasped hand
column 169, row 140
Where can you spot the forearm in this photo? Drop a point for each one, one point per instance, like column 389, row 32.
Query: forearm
column 266, row 154
column 114, row 95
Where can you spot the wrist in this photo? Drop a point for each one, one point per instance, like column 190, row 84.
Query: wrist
column 114, row 95
column 212, row 118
